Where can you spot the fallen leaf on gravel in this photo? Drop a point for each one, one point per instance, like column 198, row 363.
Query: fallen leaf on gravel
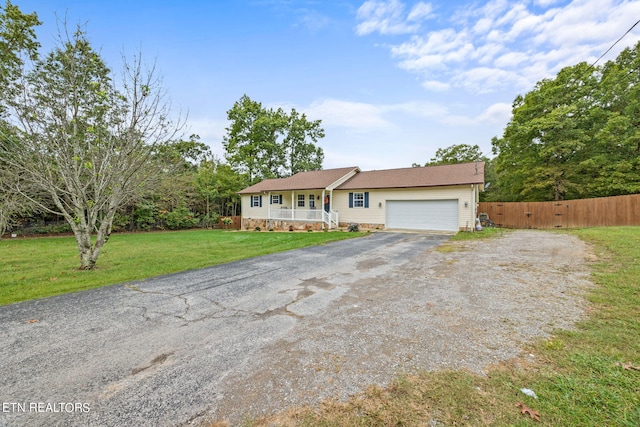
column 526, row 410
column 628, row 366
column 32, row 321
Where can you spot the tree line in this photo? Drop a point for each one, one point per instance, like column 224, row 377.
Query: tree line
column 103, row 151
column 574, row 136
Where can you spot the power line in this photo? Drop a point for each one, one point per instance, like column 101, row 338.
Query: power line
column 612, row 46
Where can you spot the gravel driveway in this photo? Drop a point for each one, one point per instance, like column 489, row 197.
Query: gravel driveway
column 468, row 308
column 261, row 335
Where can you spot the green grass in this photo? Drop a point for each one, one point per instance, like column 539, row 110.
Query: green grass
column 579, row 375
column 486, row 233
column 42, row 267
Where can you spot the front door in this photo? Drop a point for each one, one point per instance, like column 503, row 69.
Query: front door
column 327, row 203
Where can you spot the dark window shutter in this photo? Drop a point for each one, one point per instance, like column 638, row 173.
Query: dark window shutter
column 270, row 200
column 366, row 199
column 350, row 200
column 280, row 199
column 260, row 201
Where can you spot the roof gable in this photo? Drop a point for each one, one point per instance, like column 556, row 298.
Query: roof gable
column 311, row 180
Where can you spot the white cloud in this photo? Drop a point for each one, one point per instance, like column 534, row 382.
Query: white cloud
column 416, row 108
column 546, row 3
column 508, row 43
column 511, row 60
column 486, row 79
column 496, row 113
column 211, row 132
column 483, row 25
column 436, row 86
column 385, row 17
column 421, row 11
column 354, row 115
column 364, row 117
column 313, row 20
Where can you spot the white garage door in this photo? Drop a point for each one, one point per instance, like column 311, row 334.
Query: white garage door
column 423, row 214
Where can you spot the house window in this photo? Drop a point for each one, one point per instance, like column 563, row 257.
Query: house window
column 256, row 201
column 358, row 200
column 301, row 200
column 275, row 200
column 312, row 201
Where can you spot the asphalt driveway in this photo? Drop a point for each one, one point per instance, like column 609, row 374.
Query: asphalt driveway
column 164, row 351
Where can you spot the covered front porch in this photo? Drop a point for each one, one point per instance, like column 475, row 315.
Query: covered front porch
column 305, row 206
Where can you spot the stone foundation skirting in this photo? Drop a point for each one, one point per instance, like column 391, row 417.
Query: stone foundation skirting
column 284, row 225
column 281, row 225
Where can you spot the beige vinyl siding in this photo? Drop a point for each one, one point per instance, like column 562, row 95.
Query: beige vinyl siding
column 289, row 201
column 255, row 212
column 375, row 213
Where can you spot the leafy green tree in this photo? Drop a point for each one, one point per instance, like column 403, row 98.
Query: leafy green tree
column 217, row 184
column 207, row 187
column 491, row 191
column 300, row 155
column 614, row 166
column 465, row 153
column 17, row 43
column 183, row 155
column 547, row 137
column 229, row 183
column 179, row 217
column 86, row 141
column 460, row 153
column 576, row 135
column 267, row 143
column 175, row 188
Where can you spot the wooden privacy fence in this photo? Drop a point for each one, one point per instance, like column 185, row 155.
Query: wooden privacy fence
column 236, row 223
column 603, row 211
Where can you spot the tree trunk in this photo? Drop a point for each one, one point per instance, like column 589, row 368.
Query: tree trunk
column 83, row 239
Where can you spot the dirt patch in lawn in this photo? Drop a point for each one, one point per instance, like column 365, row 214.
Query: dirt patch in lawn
column 467, row 308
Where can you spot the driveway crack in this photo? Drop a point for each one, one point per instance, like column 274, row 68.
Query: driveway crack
column 221, row 310
column 187, row 306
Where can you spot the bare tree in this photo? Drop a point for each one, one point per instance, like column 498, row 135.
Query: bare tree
column 84, row 139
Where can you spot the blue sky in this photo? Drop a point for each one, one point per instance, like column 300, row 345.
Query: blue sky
column 391, row 80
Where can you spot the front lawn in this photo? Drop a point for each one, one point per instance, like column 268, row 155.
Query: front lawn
column 42, row 267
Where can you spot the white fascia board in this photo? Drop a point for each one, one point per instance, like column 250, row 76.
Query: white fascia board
column 343, row 179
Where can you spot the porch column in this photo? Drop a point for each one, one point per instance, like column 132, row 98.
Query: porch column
column 293, row 206
column 269, row 205
column 330, row 208
column 322, row 210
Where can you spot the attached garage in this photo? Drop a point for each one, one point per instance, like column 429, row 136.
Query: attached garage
column 441, row 215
